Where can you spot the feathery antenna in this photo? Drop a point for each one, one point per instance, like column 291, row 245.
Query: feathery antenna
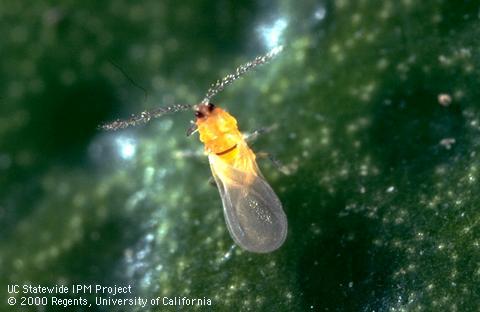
column 218, row 86
column 144, row 117
column 240, row 71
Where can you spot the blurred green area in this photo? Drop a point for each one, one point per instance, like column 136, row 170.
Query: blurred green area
column 378, row 119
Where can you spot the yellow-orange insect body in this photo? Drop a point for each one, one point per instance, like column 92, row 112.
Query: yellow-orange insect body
column 253, row 212
column 219, row 132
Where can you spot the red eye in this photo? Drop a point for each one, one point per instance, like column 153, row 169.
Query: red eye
column 199, row 114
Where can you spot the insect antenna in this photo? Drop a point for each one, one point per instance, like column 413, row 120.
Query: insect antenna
column 144, row 117
column 219, row 85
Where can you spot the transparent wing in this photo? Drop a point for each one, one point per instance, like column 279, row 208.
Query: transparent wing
column 253, row 212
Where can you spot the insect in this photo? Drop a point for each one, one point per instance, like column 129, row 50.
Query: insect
column 253, row 212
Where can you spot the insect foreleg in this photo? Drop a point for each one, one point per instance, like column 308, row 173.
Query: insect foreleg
column 251, row 137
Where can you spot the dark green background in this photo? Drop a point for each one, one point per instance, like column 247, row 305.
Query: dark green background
column 382, row 217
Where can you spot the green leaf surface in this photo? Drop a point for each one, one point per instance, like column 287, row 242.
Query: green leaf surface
column 375, row 112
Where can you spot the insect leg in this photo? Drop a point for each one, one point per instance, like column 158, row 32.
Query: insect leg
column 212, row 183
column 251, row 137
column 275, row 162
